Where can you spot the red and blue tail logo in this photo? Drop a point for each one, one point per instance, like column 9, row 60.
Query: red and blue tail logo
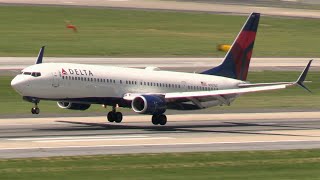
column 237, row 60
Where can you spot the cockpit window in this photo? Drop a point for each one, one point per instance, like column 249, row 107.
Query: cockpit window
column 36, row 74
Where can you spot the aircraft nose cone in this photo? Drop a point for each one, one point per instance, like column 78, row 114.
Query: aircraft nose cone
column 17, row 84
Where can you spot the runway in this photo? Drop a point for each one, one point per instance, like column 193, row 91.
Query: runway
column 66, row 136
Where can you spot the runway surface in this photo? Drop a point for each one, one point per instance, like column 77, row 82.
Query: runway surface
column 66, row 136
column 176, row 6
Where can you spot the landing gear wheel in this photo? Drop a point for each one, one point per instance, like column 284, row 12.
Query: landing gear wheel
column 35, row 110
column 118, row 117
column 111, row 116
column 154, row 120
column 162, row 119
column 159, row 119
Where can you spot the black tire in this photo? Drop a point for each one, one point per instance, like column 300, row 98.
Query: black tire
column 32, row 111
column 162, row 119
column 155, row 120
column 36, row 110
column 111, row 116
column 118, row 117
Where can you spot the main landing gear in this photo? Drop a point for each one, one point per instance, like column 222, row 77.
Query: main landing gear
column 114, row 116
column 159, row 119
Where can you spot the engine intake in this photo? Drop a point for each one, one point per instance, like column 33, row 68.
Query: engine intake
column 149, row 104
column 73, row 106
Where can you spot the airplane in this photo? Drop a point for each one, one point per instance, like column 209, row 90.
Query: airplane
column 148, row 91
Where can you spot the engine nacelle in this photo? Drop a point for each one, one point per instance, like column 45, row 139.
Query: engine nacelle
column 149, row 104
column 73, row 106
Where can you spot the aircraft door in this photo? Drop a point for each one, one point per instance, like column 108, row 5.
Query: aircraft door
column 55, row 80
column 184, row 85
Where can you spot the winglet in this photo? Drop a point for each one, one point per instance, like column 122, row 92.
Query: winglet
column 303, row 76
column 40, row 55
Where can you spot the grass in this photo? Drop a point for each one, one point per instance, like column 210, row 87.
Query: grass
column 287, row 164
column 137, row 33
column 287, row 99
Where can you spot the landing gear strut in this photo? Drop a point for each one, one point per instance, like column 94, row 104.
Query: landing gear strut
column 159, row 119
column 114, row 116
column 35, row 109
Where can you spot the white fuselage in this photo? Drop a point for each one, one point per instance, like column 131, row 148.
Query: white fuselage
column 64, row 81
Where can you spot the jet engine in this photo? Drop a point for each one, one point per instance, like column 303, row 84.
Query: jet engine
column 73, row 106
column 149, row 104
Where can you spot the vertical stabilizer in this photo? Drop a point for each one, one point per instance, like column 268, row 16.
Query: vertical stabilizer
column 40, row 55
column 236, row 63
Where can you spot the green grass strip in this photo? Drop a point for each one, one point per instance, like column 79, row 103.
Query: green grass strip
column 137, row 33
column 286, row 164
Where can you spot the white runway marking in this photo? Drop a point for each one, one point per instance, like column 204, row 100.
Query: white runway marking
column 75, row 138
column 157, row 144
column 117, row 139
column 87, row 138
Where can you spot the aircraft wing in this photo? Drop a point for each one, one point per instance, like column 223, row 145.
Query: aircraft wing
column 244, row 88
column 199, row 94
column 219, row 93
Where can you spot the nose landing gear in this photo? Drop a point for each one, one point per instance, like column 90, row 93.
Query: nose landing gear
column 35, row 109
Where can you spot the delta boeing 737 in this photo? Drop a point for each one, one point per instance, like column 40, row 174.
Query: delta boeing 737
column 146, row 91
